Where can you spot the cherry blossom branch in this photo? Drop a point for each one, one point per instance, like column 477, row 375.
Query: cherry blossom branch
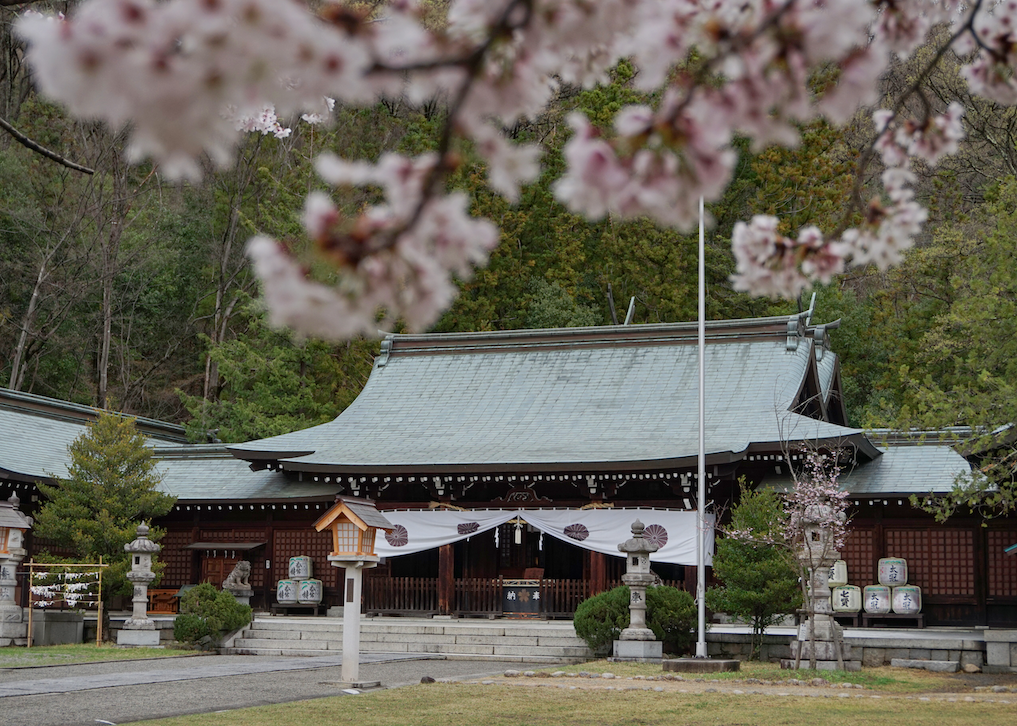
column 39, row 148
column 869, row 152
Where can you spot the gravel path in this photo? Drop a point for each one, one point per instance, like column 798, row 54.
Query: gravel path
column 119, row 692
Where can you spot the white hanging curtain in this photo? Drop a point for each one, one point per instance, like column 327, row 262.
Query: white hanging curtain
column 600, row 530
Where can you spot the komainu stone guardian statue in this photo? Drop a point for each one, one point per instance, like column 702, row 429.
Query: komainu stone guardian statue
column 238, row 582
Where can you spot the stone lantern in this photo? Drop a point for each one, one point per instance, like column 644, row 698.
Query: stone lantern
column 139, row 629
column 637, row 642
column 819, row 633
column 13, row 525
column 354, row 524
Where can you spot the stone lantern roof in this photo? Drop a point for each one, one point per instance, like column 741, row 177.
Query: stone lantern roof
column 11, row 516
column 142, row 545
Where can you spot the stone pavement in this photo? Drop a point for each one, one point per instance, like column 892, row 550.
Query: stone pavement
column 119, row 692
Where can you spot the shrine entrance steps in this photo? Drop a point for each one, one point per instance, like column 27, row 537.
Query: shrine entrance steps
column 531, row 641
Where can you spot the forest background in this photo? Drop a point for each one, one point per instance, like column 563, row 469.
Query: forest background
column 120, row 290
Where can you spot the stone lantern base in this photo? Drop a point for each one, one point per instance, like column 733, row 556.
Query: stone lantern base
column 138, row 638
column 640, row 651
column 12, row 630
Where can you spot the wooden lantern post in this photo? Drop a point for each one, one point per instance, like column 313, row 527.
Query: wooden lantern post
column 354, row 523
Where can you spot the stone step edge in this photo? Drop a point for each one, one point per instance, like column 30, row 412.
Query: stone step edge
column 548, row 659
column 934, row 666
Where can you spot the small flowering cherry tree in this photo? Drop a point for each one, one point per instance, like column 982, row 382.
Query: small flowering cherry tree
column 812, row 530
column 187, row 76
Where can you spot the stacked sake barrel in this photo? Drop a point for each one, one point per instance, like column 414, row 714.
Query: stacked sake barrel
column 893, row 593
column 300, row 588
column 844, row 598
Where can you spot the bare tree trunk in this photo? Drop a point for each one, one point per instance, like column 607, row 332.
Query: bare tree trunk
column 17, row 373
column 228, row 270
column 110, row 253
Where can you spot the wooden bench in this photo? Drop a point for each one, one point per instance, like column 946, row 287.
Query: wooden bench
column 163, row 600
column 869, row 618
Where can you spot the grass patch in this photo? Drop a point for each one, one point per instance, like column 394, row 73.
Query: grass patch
column 442, row 704
column 17, row 657
column 886, row 680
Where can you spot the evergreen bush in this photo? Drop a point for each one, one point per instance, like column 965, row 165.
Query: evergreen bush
column 207, row 613
column 670, row 613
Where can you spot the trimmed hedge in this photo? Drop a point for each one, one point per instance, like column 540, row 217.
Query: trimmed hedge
column 670, row 613
column 206, row 614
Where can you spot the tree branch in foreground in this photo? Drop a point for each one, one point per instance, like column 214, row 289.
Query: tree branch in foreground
column 37, row 148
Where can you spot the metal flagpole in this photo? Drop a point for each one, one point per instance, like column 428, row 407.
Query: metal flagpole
column 701, row 518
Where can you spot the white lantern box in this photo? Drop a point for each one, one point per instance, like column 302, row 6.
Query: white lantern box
column 876, row 599
column 286, row 592
column 300, row 568
column 310, row 592
column 838, row 574
column 893, row 571
column 846, row 599
column 907, row 599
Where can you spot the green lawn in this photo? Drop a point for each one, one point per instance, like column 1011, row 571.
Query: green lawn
column 442, row 704
column 84, row 653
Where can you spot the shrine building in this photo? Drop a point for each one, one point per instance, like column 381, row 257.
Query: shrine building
column 528, row 454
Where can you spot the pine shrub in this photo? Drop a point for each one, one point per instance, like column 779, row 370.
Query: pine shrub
column 670, row 614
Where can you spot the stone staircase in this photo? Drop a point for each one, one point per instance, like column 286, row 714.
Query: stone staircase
column 532, row 641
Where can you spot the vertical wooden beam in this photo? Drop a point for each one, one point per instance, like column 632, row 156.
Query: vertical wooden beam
column 598, row 572
column 446, row 579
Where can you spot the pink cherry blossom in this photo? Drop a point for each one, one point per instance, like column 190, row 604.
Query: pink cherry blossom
column 189, row 76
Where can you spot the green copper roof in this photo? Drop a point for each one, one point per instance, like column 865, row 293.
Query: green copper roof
column 568, row 399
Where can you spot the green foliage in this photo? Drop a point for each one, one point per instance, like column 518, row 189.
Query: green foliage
column 760, row 583
column 208, row 613
column 111, row 487
column 598, row 620
column 272, row 384
column 670, row 614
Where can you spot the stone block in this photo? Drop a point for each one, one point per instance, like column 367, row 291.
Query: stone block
column 901, row 653
column 971, row 657
column 56, row 628
column 941, row 655
column 935, row 666
column 997, row 654
column 714, row 649
column 1013, row 654
column 638, row 650
column 138, row 638
column 824, row 650
column 700, row 665
column 873, row 657
column 954, row 655
column 920, row 654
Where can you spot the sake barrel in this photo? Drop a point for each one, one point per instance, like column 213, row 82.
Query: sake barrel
column 907, row 599
column 838, row 574
column 286, row 592
column 310, row 592
column 876, row 599
column 300, row 568
column 893, row 571
column 846, row 599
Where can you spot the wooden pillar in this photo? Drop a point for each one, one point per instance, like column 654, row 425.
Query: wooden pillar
column 598, row 572
column 446, row 579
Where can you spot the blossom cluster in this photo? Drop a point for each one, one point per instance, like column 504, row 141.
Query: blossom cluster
column 407, row 279
column 190, row 75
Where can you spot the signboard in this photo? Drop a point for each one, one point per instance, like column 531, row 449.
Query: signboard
column 521, row 598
